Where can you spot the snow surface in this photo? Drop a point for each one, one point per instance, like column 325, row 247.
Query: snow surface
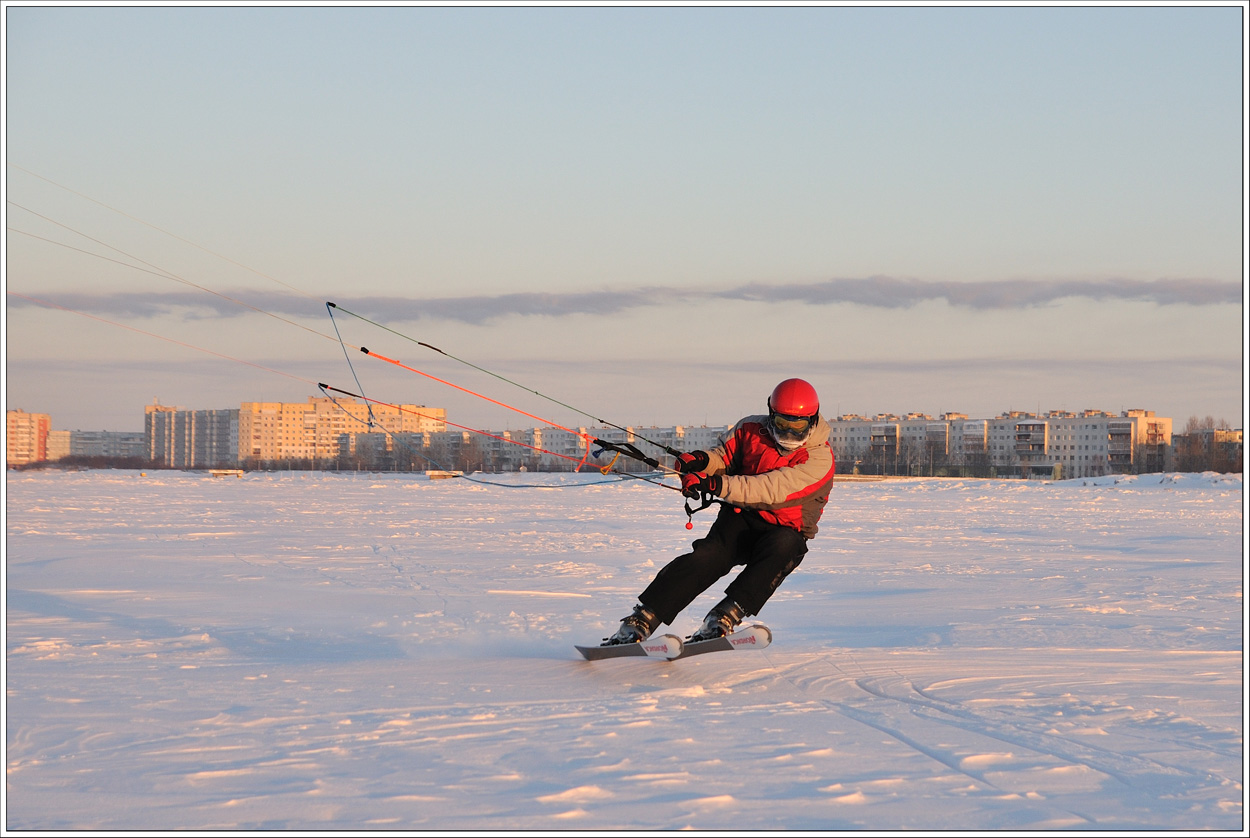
column 324, row 651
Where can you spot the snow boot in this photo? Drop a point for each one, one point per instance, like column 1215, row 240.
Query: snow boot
column 720, row 621
column 635, row 628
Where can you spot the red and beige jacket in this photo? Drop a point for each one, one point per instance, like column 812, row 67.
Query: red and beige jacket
column 789, row 488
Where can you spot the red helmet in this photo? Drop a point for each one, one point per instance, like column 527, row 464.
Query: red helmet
column 794, row 397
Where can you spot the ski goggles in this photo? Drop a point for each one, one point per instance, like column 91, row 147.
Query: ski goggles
column 791, row 425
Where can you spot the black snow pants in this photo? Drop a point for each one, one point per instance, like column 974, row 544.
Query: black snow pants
column 769, row 551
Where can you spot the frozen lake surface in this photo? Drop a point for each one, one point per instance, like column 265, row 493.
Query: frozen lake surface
column 322, row 651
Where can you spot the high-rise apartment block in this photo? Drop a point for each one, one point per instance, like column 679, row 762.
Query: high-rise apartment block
column 180, row 438
column 26, row 437
column 313, row 430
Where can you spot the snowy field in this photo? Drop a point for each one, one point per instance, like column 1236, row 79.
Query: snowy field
column 321, row 651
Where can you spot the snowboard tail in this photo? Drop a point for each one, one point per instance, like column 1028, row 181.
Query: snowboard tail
column 662, row 646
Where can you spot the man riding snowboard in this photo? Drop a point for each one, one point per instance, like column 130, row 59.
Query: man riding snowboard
column 773, row 473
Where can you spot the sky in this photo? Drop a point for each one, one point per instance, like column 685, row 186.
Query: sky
column 648, row 215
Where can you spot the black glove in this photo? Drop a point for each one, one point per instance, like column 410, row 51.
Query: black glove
column 696, row 484
column 691, row 461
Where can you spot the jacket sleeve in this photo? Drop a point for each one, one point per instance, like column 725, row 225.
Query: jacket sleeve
column 785, row 486
column 780, row 487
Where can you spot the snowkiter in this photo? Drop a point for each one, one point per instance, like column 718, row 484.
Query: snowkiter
column 773, row 472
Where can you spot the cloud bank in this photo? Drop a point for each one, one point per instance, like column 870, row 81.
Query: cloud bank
column 876, row 292
column 889, row 292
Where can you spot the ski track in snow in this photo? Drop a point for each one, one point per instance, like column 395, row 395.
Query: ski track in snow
column 350, row 651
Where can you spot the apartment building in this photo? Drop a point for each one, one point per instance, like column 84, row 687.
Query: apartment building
column 129, row 445
column 1204, row 448
column 26, row 437
column 550, row 448
column 850, row 435
column 699, row 437
column 888, row 440
column 1086, row 444
column 58, row 445
column 1091, row 443
column 312, row 430
column 547, row 449
column 970, row 438
column 116, row 445
column 525, row 449
column 653, row 441
column 178, row 438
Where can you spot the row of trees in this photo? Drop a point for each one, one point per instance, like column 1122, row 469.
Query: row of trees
column 927, row 460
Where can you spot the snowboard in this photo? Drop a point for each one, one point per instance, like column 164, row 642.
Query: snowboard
column 662, row 646
column 754, row 636
column 671, row 647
